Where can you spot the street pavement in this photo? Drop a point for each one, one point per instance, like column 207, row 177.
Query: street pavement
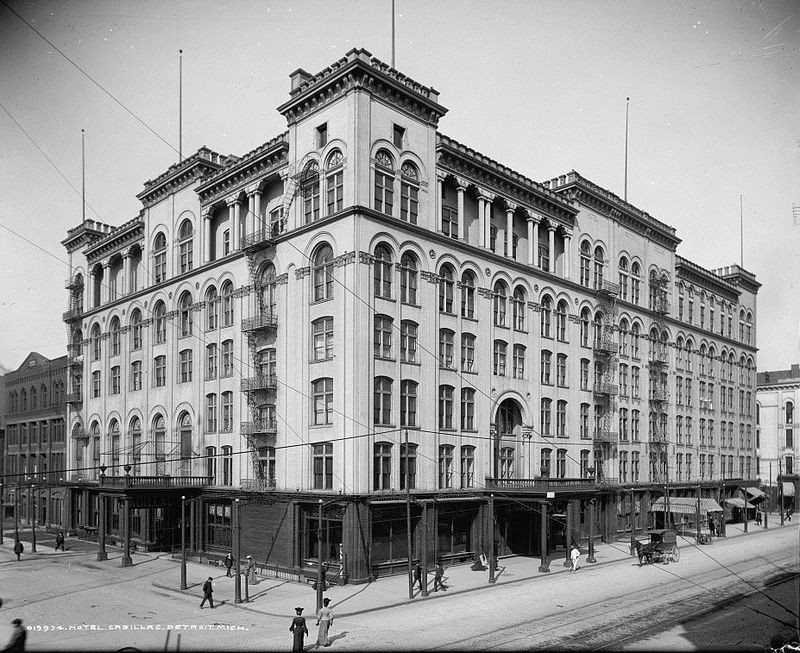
column 73, row 588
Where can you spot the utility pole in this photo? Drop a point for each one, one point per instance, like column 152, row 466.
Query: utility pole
column 2, row 511
column 490, row 546
column 697, row 515
column 633, row 523
column 237, row 547
column 744, row 508
column 408, row 523
column 780, row 490
column 320, row 579
column 183, row 543
column 33, row 518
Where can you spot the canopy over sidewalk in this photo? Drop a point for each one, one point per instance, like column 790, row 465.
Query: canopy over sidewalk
column 739, row 503
column 686, row 505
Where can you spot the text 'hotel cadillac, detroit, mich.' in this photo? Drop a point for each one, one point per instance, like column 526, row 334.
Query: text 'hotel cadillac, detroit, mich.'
column 274, row 327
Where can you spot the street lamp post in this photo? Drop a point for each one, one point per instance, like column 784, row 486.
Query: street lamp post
column 16, row 511
column 744, row 508
column 101, row 554
column 490, row 541
column 33, row 519
column 632, row 514
column 319, row 555
column 2, row 511
column 183, row 543
column 408, row 523
column 237, row 585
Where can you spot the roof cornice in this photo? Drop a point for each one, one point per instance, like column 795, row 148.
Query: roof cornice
column 603, row 201
column 685, row 269
column 180, row 175
column 126, row 234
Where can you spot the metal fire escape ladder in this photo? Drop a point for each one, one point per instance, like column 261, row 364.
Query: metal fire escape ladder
column 659, row 395
column 606, row 349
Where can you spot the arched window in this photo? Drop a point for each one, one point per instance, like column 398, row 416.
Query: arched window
column 599, row 258
column 227, row 304
column 212, row 309
column 408, row 279
column 267, row 291
column 586, row 256
column 492, row 237
column 623, row 337
column 136, row 443
column 309, row 188
column 409, row 192
column 408, row 466
column 114, row 436
column 382, row 466
column 586, row 318
column 789, row 412
column 115, row 336
column 34, row 404
column 160, row 322
column 185, row 314
column 636, row 282
column 408, row 403
column 186, row 245
column 44, row 396
column 468, row 295
column 97, row 350
column 160, row 438
column 546, row 316
column 160, row 258
column 446, row 289
column 623, row 278
column 518, row 304
column 702, row 359
column 382, row 270
column 384, row 182
column 23, row 399
column 500, row 299
column 323, row 273
column 334, row 182
column 561, row 320
column 382, row 404
column 185, row 430
column 136, row 329
column 635, row 333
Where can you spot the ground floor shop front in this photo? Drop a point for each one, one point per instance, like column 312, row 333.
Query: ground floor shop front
column 359, row 538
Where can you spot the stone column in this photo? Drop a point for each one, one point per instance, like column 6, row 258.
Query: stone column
column 207, row 236
column 590, row 507
column 567, row 239
column 108, row 292
column 568, row 535
column 535, row 221
column 249, row 221
column 236, row 236
column 551, row 244
column 544, row 567
column 437, row 205
column 482, row 219
column 510, row 208
column 462, row 187
column 258, row 225
column 126, row 532
column 126, row 273
column 488, row 222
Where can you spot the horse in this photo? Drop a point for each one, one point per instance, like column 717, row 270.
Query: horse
column 644, row 552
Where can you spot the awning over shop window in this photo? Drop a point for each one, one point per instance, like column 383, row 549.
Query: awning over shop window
column 788, row 489
column 739, row 503
column 755, row 494
column 686, row 505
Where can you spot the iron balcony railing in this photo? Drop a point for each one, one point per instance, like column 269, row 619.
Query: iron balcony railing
column 72, row 314
column 263, row 236
column 75, row 397
column 262, row 321
column 661, row 306
column 260, row 382
column 659, row 394
column 257, row 484
column 164, row 481
column 604, row 388
column 541, row 484
column 73, row 283
column 659, row 356
column 606, row 347
column 609, row 288
column 605, row 435
column 264, row 425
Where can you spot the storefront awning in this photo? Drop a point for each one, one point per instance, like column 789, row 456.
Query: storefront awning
column 739, row 503
column 686, row 505
column 788, row 489
column 754, row 492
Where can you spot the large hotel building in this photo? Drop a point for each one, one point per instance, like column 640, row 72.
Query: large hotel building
column 362, row 304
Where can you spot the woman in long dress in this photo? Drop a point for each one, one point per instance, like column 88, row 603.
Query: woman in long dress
column 324, row 621
column 299, row 630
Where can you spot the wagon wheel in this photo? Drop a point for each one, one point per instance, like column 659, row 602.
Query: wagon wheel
column 676, row 554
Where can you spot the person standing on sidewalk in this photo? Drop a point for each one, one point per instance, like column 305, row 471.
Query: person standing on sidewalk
column 208, row 591
column 324, row 621
column 299, row 629
column 228, row 564
column 438, row 576
column 251, row 571
column 417, row 577
column 60, row 541
column 574, row 556
column 18, row 637
column 18, row 548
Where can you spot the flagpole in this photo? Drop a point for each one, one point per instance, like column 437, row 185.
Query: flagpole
column 393, row 34
column 180, row 106
column 627, row 104
column 741, row 233
column 83, row 175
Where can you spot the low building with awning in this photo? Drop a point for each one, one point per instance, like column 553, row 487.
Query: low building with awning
column 686, row 506
column 738, row 502
column 755, row 495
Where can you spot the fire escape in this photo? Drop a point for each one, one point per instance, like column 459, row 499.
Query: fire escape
column 659, row 395
column 605, row 390
column 74, row 337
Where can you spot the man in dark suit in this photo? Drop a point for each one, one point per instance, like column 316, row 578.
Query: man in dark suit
column 17, row 643
column 208, row 590
column 228, row 563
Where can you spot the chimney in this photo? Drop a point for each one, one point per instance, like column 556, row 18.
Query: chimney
column 796, row 370
column 299, row 77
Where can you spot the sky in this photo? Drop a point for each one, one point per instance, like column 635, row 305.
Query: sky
column 539, row 86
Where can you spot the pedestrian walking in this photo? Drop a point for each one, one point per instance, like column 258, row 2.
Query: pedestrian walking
column 574, row 556
column 18, row 548
column 758, row 517
column 299, row 629
column 789, row 514
column 18, row 637
column 438, row 576
column 417, row 577
column 251, row 571
column 324, row 621
column 208, row 591
column 60, row 541
column 228, row 564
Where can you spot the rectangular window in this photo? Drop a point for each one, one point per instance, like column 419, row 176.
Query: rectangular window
column 335, row 191
column 446, row 348
column 408, row 403
column 115, row 381
column 384, row 192
column 408, row 466
column 445, row 467
column 445, row 407
column 322, row 135
column 467, row 409
column 382, row 466
column 467, row 466
column 408, row 342
column 519, row 362
column 322, row 390
column 186, row 366
column 409, row 202
column 499, row 367
column 95, row 384
column 227, row 412
column 382, row 340
column 449, row 222
column 322, row 332
column 227, row 358
column 211, row 362
column 160, row 371
column 398, row 133
column 323, row 466
column 211, row 413
column 467, row 352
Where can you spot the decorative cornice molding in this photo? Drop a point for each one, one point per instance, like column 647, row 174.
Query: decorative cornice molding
column 179, row 175
column 301, row 273
column 344, row 259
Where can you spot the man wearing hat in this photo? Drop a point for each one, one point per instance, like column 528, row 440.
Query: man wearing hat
column 17, row 643
column 300, row 631
column 251, row 571
column 208, row 590
column 228, row 563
